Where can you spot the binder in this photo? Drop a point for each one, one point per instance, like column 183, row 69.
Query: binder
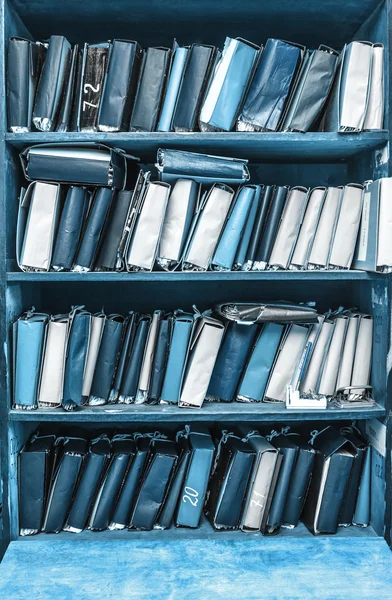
column 181, row 207
column 240, row 262
column 160, row 358
column 331, row 473
column 193, row 493
column 208, row 227
column 50, row 392
column 35, row 469
column 166, row 515
column 89, row 163
column 231, row 360
column 155, row 484
column 65, row 477
column 197, row 72
column 150, row 89
column 203, row 350
column 278, row 312
column 271, row 226
column 363, row 353
column 119, row 86
column 96, row 461
column 128, row 387
column 228, row 86
column 286, row 362
column 202, row 168
column 95, row 58
column 289, row 451
column 123, row 452
column 226, row 249
column 257, row 371
column 70, row 228
column 145, row 239
column 24, row 64
column 127, row 495
column 319, row 253
column 289, row 227
column 361, row 516
column 312, row 376
column 252, row 256
column 37, row 223
column 130, row 327
column 148, row 359
column 347, row 226
column 52, row 83
column 229, row 484
column 347, row 106
column 76, row 360
column 28, row 344
column 93, row 232
column 271, row 86
column 374, row 118
column 262, row 482
column 312, row 89
column 374, row 247
column 328, row 379
column 299, row 483
column 107, row 359
column 180, row 56
column 108, row 255
column 307, row 232
column 98, row 322
column 64, row 122
column 348, row 354
column 359, row 448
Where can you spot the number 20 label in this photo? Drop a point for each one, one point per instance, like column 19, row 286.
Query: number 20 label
column 191, row 495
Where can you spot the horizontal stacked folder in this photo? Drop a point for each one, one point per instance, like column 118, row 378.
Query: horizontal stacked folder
column 117, row 85
column 233, row 352
column 93, row 208
column 240, row 479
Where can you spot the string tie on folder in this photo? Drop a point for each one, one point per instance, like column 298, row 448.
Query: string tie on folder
column 285, row 430
column 183, row 433
column 103, row 436
column 223, row 440
column 271, row 435
column 156, row 435
column 315, row 433
column 29, row 313
column 122, row 436
column 250, row 434
column 196, row 311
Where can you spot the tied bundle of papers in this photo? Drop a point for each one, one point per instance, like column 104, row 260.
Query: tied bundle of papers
column 117, row 85
column 92, row 208
column 241, row 479
column 234, row 352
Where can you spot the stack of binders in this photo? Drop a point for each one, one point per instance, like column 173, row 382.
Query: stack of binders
column 92, row 208
column 244, row 353
column 244, row 480
column 118, row 86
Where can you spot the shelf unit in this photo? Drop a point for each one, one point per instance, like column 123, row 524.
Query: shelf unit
column 294, row 159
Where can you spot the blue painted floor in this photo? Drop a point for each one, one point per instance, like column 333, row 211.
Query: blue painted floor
column 253, row 568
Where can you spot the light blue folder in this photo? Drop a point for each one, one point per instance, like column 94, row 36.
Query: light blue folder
column 226, row 98
column 179, row 344
column 173, row 87
column 256, row 375
column 240, row 256
column 29, row 340
column 227, row 247
column 362, row 509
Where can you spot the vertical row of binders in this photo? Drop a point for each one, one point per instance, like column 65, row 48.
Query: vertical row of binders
column 118, row 86
column 93, row 209
column 245, row 352
column 241, row 480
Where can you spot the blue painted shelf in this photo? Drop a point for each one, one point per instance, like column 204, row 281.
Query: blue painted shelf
column 310, row 147
column 233, row 412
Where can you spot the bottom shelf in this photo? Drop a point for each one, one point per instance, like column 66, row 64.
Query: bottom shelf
column 230, row 566
column 204, row 532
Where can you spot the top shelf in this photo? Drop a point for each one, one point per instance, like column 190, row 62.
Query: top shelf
column 268, row 147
